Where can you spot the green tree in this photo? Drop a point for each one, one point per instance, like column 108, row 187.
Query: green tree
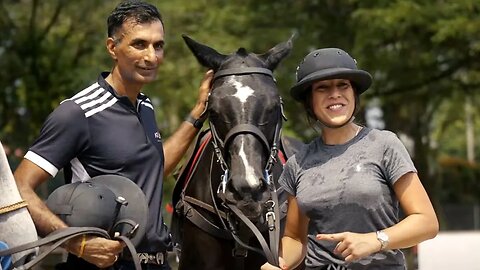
column 46, row 49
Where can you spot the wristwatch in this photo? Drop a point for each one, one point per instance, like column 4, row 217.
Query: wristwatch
column 383, row 238
column 197, row 123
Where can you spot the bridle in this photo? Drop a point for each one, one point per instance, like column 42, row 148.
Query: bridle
column 272, row 215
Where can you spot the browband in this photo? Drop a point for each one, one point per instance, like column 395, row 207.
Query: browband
column 242, row 71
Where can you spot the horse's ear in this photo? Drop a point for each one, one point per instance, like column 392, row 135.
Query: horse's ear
column 276, row 54
column 207, row 56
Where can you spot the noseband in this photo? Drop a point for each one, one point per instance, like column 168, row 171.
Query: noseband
column 272, row 216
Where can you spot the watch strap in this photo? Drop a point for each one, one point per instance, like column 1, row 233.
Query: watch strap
column 197, row 123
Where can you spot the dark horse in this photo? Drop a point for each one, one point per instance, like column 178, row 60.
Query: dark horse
column 227, row 196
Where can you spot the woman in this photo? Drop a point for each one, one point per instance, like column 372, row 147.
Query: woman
column 347, row 186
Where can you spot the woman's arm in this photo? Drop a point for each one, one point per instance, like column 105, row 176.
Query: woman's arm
column 420, row 222
column 294, row 240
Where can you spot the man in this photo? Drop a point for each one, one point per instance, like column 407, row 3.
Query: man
column 109, row 128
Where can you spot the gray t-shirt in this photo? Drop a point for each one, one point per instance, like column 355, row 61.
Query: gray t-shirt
column 348, row 187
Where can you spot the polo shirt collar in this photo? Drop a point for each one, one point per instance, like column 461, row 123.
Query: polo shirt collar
column 123, row 99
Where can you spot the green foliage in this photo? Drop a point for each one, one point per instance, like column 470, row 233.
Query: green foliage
column 46, row 49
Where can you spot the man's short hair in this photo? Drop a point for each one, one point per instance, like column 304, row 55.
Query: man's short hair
column 141, row 12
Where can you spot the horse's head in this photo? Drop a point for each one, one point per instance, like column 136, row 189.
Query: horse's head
column 245, row 115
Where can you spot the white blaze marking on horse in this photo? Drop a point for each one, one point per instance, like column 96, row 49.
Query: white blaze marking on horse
column 249, row 171
column 243, row 91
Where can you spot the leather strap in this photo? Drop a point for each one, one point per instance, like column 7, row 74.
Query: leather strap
column 242, row 71
column 268, row 254
column 61, row 236
column 203, row 223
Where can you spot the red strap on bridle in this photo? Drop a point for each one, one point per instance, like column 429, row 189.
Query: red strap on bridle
column 196, row 157
column 281, row 156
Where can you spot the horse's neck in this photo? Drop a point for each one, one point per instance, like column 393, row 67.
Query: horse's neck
column 16, row 227
column 8, row 187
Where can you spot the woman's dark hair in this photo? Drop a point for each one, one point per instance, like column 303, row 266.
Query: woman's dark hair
column 140, row 11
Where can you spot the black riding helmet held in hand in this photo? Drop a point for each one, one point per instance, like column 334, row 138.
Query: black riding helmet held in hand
column 326, row 64
column 110, row 202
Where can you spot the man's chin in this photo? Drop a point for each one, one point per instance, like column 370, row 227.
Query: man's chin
column 147, row 78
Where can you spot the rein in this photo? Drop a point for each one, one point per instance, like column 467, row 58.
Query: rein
column 59, row 237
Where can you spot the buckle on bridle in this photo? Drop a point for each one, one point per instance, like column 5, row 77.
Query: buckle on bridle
column 271, row 206
column 159, row 257
column 270, row 217
column 223, row 183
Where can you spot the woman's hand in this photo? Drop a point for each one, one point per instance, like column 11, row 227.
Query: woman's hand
column 353, row 246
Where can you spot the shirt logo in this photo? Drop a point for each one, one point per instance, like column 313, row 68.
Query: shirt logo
column 359, row 167
column 157, row 136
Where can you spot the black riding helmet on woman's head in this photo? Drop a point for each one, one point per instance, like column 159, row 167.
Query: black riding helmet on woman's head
column 327, row 64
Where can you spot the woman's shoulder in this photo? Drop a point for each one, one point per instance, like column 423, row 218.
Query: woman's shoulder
column 385, row 138
column 382, row 133
column 304, row 152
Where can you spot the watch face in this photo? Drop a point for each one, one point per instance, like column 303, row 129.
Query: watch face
column 383, row 238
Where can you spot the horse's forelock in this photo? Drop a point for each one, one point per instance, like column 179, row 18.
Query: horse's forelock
column 242, row 52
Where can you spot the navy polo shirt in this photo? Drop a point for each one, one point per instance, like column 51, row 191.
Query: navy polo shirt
column 97, row 132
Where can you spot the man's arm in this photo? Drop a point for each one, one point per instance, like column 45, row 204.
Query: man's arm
column 28, row 177
column 177, row 144
column 99, row 251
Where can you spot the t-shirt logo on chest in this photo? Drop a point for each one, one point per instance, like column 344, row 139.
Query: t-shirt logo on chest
column 358, row 167
column 157, row 136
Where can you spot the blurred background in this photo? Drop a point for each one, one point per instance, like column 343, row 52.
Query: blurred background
column 424, row 57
